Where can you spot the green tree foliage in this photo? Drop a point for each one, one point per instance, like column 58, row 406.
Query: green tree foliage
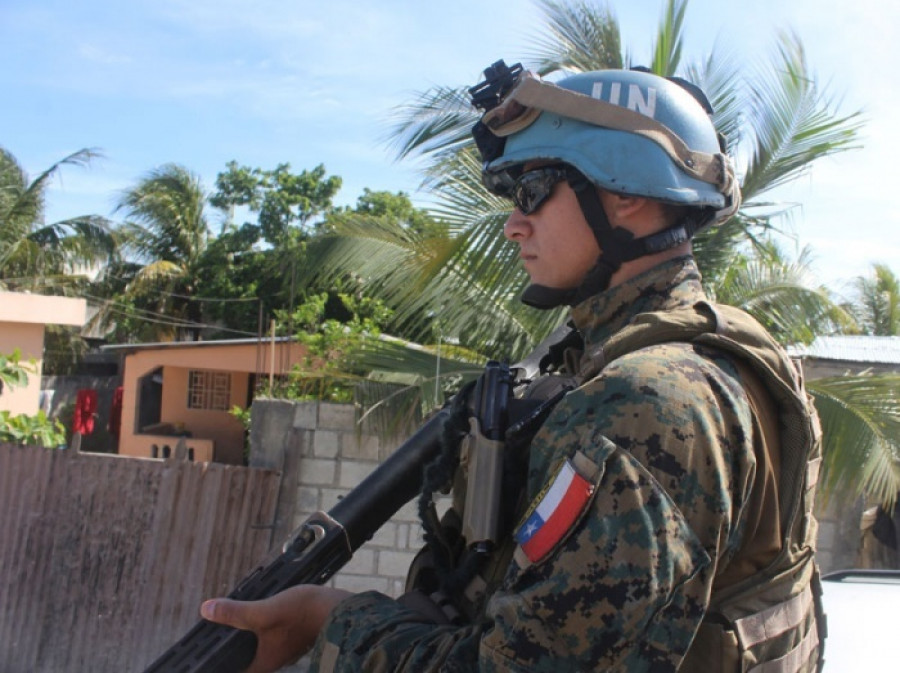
column 294, row 198
column 237, row 283
column 286, row 203
column 328, row 370
column 164, row 238
column 877, row 305
column 37, row 430
column 264, row 258
column 177, row 279
column 237, row 186
column 54, row 258
column 13, row 371
column 396, row 208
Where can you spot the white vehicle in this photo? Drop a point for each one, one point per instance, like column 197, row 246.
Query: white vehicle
column 861, row 612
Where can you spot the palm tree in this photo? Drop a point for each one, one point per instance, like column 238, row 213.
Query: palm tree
column 861, row 413
column 164, row 238
column 775, row 117
column 780, row 293
column 860, row 417
column 877, row 303
column 40, row 257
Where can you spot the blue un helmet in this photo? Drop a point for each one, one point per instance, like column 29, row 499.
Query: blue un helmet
column 625, row 131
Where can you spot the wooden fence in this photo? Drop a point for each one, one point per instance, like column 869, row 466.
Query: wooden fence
column 104, row 560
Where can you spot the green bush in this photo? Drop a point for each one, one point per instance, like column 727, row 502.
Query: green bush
column 34, row 430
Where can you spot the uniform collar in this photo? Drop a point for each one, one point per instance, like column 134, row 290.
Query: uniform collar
column 673, row 284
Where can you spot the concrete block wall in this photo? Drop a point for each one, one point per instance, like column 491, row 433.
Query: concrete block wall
column 322, row 455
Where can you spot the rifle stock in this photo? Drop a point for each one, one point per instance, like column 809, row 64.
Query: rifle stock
column 318, row 549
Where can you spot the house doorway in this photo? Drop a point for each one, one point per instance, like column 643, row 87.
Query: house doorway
column 149, row 410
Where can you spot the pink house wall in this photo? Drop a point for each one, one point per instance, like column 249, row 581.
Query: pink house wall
column 29, row 339
column 23, row 318
column 214, row 435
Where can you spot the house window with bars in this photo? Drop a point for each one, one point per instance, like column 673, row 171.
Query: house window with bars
column 209, row 390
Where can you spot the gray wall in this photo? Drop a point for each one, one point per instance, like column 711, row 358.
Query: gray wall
column 322, row 455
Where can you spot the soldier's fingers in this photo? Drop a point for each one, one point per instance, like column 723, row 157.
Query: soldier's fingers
column 231, row 613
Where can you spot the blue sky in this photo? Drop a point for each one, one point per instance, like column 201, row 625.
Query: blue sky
column 263, row 82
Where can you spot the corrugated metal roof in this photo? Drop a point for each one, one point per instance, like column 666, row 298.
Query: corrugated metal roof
column 864, row 349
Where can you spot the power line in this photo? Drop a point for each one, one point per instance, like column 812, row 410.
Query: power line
column 160, row 318
column 194, row 297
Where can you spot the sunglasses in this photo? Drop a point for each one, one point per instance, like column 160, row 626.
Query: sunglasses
column 534, row 187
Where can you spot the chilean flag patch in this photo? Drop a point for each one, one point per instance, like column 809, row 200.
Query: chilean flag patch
column 558, row 507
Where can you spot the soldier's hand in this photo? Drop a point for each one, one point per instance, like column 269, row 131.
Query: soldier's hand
column 286, row 625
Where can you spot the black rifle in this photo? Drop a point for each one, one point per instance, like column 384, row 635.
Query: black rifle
column 327, row 540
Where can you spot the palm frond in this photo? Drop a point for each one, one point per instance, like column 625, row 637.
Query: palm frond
column 878, row 301
column 721, row 78
column 85, row 240
column 438, row 121
column 26, row 206
column 793, row 122
column 32, row 253
column 154, row 276
column 577, row 36
column 434, row 371
column 419, row 280
column 861, row 433
column 669, row 40
column 781, row 295
column 167, row 212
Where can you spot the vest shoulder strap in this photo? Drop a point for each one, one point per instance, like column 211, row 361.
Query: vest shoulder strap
column 738, row 334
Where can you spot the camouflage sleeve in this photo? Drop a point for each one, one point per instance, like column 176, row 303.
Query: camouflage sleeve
column 661, row 440
column 374, row 633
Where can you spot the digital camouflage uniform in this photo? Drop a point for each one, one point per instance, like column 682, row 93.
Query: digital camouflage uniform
column 665, row 434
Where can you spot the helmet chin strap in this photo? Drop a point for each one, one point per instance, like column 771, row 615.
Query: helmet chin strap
column 617, row 245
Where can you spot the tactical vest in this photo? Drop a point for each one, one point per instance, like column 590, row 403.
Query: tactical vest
column 772, row 620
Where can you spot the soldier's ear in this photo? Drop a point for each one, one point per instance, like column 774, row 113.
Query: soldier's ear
column 623, row 208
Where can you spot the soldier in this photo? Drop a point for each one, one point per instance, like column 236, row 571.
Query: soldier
column 665, row 522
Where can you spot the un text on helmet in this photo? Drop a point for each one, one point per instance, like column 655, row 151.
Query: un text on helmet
column 638, row 100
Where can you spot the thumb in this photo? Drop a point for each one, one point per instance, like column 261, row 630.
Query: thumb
column 229, row 612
